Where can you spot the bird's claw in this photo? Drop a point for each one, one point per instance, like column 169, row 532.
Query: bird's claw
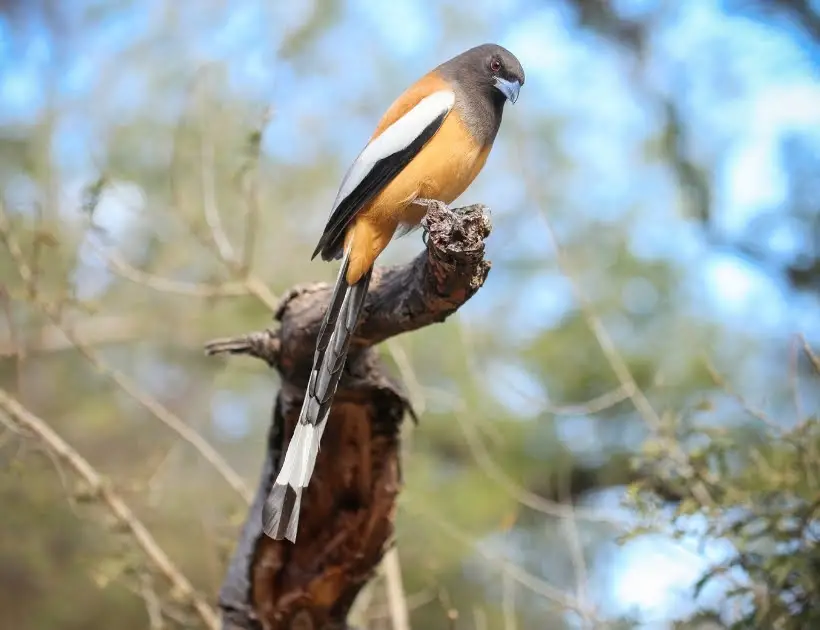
column 430, row 203
column 427, row 203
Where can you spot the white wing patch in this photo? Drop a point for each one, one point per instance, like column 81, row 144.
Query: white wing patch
column 396, row 137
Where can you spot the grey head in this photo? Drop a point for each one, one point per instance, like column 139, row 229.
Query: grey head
column 485, row 78
column 490, row 70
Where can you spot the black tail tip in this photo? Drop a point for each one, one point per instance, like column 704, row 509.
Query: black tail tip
column 280, row 515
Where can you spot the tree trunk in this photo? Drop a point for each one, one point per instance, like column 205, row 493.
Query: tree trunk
column 348, row 509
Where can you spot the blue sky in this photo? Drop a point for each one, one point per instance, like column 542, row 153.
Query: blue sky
column 777, row 91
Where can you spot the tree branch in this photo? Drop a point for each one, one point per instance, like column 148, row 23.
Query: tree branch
column 184, row 592
column 347, row 511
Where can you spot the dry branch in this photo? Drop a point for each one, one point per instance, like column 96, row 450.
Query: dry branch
column 347, row 511
column 123, row 381
column 183, row 591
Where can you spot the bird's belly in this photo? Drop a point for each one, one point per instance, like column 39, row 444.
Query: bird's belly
column 442, row 170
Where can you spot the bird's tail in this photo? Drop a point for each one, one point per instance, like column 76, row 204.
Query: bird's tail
column 280, row 517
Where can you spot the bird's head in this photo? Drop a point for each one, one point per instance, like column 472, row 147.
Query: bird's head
column 490, row 67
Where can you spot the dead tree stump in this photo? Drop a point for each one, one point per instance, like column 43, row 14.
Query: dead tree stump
column 347, row 510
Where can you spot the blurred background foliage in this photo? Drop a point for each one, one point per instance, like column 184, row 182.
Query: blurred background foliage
column 165, row 171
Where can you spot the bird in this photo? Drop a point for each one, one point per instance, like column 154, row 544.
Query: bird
column 427, row 148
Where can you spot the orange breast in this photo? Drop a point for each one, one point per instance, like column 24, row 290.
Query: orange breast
column 442, row 170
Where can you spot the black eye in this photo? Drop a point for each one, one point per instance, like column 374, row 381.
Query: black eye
column 495, row 65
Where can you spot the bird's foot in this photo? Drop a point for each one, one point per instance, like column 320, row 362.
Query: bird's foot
column 430, row 203
column 435, row 203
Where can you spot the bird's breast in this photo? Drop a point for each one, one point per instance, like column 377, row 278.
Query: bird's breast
column 442, row 170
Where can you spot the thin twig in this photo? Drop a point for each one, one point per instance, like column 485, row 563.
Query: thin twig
column 518, row 492
column 169, row 612
column 152, row 483
column 260, row 290
column 496, row 472
column 162, row 413
column 360, row 613
column 524, row 578
column 91, row 331
column 622, row 372
column 16, row 252
column 413, row 601
column 411, row 380
column 755, row 412
column 152, row 604
column 210, row 204
column 794, row 376
column 611, row 353
column 252, row 193
column 595, row 405
column 474, row 371
column 508, row 601
column 126, row 270
column 248, row 284
column 180, row 584
column 605, row 401
column 125, row 383
column 14, row 347
column 576, row 553
column 173, row 422
column 813, row 358
column 39, row 238
column 397, row 603
column 599, row 403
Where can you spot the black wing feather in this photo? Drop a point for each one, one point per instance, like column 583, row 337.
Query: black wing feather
column 382, row 173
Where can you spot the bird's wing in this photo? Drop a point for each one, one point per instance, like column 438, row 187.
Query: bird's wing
column 409, row 124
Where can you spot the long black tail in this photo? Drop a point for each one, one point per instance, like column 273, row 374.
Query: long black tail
column 280, row 517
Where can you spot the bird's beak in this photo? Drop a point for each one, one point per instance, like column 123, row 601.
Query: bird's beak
column 509, row 89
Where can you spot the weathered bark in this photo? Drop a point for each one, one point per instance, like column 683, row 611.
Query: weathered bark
column 348, row 508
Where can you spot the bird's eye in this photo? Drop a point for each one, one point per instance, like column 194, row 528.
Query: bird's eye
column 495, row 65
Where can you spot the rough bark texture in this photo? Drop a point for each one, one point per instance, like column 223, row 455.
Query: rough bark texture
column 347, row 510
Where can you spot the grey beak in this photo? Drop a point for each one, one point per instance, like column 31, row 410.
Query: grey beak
column 509, row 89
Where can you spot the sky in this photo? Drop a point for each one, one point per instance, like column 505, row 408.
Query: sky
column 779, row 92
